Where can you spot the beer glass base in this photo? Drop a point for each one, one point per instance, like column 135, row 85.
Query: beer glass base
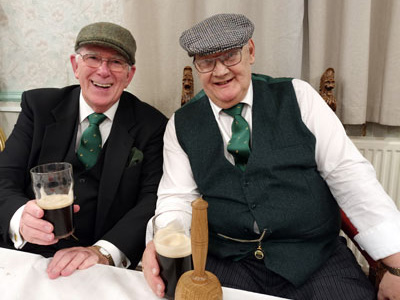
column 59, row 237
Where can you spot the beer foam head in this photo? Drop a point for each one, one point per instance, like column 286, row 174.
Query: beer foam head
column 171, row 243
column 55, row 201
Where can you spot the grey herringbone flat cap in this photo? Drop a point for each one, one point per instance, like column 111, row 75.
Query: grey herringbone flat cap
column 108, row 35
column 216, row 34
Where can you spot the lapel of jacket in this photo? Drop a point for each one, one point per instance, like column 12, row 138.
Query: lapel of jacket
column 59, row 135
column 119, row 145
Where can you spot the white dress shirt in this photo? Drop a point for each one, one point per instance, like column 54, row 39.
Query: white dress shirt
column 350, row 177
column 119, row 258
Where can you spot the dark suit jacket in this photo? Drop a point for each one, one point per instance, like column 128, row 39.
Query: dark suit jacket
column 126, row 196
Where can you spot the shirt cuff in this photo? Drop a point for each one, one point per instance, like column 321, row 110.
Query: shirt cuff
column 149, row 231
column 382, row 240
column 13, row 232
column 119, row 258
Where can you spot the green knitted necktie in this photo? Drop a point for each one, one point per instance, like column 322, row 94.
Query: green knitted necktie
column 239, row 144
column 90, row 145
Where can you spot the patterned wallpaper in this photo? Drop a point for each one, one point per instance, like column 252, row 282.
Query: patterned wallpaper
column 37, row 37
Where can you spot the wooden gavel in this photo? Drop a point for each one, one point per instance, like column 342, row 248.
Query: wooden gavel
column 199, row 284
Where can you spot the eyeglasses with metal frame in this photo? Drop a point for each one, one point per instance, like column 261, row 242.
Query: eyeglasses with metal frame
column 94, row 61
column 228, row 59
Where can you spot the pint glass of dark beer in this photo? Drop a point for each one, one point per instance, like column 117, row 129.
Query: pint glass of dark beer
column 53, row 187
column 173, row 247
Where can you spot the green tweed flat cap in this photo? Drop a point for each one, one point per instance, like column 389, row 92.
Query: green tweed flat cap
column 216, row 34
column 108, row 35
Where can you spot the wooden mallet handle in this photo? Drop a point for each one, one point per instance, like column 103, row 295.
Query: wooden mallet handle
column 199, row 236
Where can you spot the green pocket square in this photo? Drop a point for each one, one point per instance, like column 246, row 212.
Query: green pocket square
column 135, row 157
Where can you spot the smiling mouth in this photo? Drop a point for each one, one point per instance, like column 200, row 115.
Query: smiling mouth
column 223, row 82
column 104, row 86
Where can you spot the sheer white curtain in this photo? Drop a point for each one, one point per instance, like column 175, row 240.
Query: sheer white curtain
column 360, row 39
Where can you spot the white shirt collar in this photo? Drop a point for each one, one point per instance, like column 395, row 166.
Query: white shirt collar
column 85, row 110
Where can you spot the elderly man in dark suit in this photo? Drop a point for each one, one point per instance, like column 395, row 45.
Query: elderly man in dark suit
column 115, row 193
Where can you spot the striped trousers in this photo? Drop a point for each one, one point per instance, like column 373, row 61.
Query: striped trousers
column 339, row 278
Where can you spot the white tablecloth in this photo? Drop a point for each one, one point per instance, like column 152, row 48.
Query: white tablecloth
column 23, row 276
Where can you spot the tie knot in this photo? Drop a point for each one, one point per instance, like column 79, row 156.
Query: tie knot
column 96, row 119
column 234, row 110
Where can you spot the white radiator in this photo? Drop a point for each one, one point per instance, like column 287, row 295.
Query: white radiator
column 384, row 154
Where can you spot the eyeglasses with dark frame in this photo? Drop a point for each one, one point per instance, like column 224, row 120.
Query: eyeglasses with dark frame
column 94, row 61
column 228, row 59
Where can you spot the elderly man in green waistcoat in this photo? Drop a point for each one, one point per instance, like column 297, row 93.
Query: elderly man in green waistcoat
column 274, row 164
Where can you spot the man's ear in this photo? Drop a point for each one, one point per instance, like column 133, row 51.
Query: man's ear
column 252, row 51
column 74, row 64
column 130, row 74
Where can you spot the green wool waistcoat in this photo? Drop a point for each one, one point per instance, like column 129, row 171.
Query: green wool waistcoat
column 281, row 188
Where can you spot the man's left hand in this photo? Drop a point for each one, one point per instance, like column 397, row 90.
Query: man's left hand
column 66, row 261
column 389, row 288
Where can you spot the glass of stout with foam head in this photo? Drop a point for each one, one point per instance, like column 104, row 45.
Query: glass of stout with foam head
column 173, row 247
column 53, row 187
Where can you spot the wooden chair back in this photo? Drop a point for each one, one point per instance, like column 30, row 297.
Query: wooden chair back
column 2, row 140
